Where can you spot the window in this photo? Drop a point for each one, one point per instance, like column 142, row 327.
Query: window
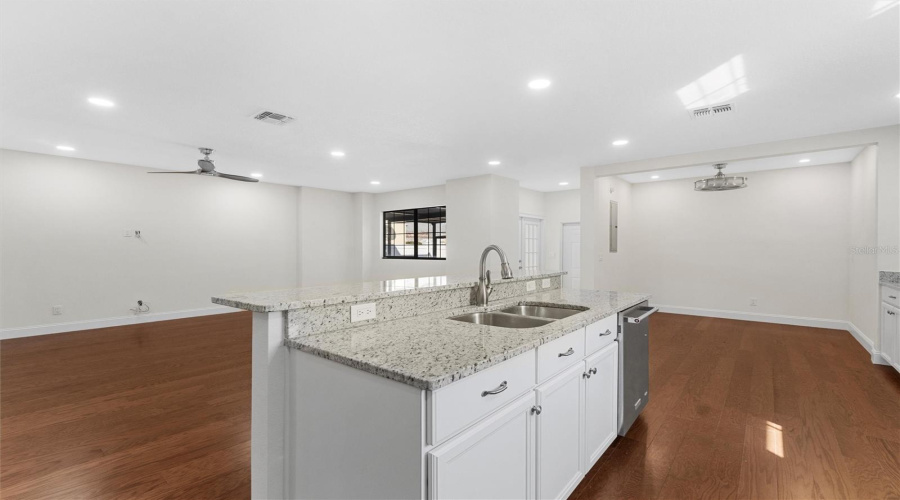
column 417, row 233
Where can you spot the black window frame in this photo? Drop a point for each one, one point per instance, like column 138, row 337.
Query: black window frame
column 434, row 233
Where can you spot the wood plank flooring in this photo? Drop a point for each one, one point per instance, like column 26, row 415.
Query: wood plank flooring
column 737, row 410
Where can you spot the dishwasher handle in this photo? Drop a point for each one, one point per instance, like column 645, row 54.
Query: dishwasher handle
column 647, row 312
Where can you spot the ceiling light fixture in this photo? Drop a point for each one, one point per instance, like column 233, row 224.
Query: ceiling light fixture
column 65, row 148
column 654, row 177
column 100, row 101
column 720, row 182
column 257, row 175
column 620, row 142
column 338, row 154
column 494, row 163
column 805, row 160
column 564, row 183
column 539, row 84
column 375, row 183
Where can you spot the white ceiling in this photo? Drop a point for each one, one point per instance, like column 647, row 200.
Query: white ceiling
column 756, row 165
column 418, row 92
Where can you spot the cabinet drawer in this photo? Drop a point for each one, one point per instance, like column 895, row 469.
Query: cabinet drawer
column 452, row 408
column 890, row 296
column 600, row 334
column 557, row 355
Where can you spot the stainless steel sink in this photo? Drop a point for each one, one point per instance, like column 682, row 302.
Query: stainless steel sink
column 542, row 311
column 501, row 319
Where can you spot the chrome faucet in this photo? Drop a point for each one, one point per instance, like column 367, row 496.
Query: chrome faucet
column 483, row 289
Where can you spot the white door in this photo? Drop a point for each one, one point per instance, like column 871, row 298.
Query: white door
column 571, row 255
column 529, row 245
column 890, row 334
column 559, row 434
column 600, row 400
column 493, row 459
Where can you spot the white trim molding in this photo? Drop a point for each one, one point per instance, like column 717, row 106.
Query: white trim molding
column 74, row 326
column 834, row 324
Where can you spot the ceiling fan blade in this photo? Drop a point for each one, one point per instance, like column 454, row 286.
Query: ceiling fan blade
column 236, row 177
column 175, row 172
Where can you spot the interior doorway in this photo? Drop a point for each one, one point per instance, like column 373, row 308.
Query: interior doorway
column 571, row 255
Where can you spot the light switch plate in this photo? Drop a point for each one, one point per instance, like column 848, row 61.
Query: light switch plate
column 530, row 286
column 362, row 312
column 545, row 283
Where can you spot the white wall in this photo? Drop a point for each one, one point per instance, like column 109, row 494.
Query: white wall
column 863, row 307
column 783, row 240
column 61, row 227
column 560, row 207
column 615, row 270
column 328, row 240
column 531, row 202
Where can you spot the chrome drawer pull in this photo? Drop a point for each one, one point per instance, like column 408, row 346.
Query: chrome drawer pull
column 586, row 375
column 536, row 409
column 567, row 353
column 892, row 296
column 500, row 388
column 889, row 312
column 608, row 332
column 592, row 371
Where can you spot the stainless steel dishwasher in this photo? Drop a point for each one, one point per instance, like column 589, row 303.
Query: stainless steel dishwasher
column 634, row 363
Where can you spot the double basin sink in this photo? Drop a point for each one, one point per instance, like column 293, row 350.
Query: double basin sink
column 521, row 316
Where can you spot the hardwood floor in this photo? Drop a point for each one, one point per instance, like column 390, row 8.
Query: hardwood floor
column 737, row 410
column 756, row 410
column 159, row 410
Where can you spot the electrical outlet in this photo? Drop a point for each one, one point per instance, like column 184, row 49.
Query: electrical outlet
column 362, row 312
column 753, row 302
column 530, row 286
column 545, row 283
column 56, row 310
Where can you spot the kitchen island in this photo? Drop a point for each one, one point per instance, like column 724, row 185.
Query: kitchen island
column 414, row 404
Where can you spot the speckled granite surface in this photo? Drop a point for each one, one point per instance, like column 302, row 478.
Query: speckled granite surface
column 889, row 278
column 431, row 351
column 300, row 298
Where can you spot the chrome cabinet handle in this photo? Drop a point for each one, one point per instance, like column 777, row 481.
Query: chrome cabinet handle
column 500, row 388
column 592, row 371
column 567, row 353
column 608, row 332
column 586, row 375
column 536, row 409
column 892, row 296
column 889, row 312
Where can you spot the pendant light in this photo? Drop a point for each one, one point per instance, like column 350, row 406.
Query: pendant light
column 720, row 182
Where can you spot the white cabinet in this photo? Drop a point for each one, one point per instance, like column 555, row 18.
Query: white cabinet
column 890, row 334
column 559, row 434
column 492, row 459
column 600, row 400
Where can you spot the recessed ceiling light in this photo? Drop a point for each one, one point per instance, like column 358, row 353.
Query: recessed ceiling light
column 620, row 142
column 897, row 96
column 375, row 183
column 654, row 177
column 338, row 154
column 805, row 160
column 563, row 183
column 494, row 163
column 99, row 101
column 65, row 148
column 257, row 175
column 539, row 84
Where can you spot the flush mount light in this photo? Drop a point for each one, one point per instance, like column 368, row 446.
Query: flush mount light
column 375, row 183
column 338, row 154
column 257, row 175
column 539, row 84
column 100, row 101
column 494, row 163
column 620, row 142
column 65, row 148
column 563, row 183
column 654, row 177
column 805, row 160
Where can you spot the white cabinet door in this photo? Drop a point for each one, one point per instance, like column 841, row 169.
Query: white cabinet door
column 890, row 334
column 559, row 434
column 600, row 400
column 492, row 459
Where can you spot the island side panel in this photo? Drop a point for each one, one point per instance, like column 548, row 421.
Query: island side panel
column 268, row 408
column 353, row 434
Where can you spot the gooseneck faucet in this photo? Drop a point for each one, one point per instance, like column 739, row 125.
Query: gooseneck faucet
column 484, row 288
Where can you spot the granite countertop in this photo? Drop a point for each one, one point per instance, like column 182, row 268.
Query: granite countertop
column 431, row 351
column 301, row 298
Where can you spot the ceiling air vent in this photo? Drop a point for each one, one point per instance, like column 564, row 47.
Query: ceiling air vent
column 274, row 118
column 720, row 109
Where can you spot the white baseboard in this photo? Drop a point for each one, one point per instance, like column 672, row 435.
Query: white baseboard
column 74, row 326
column 833, row 324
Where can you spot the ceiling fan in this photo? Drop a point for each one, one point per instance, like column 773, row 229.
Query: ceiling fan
column 207, row 168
